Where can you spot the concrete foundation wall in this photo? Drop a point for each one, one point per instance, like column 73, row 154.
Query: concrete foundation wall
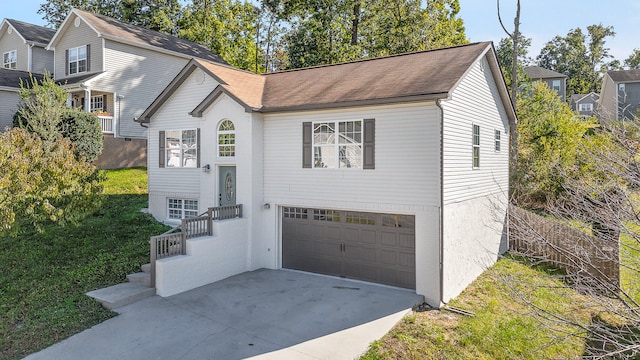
column 121, row 153
column 208, row 259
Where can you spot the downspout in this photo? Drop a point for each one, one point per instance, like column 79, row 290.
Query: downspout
column 441, row 232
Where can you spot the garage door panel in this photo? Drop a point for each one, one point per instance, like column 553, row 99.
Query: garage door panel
column 364, row 246
column 389, row 257
column 407, row 241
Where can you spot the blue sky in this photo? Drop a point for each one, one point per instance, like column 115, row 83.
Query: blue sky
column 541, row 19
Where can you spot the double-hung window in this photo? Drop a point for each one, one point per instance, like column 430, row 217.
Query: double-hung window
column 181, row 148
column 337, row 144
column 555, row 85
column 10, row 59
column 497, row 140
column 586, row 107
column 476, row 146
column 97, row 103
column 182, row 208
column 77, row 60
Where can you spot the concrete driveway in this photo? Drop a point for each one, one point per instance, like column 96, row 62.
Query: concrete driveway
column 266, row 314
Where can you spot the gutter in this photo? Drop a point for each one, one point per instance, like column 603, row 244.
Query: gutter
column 441, row 232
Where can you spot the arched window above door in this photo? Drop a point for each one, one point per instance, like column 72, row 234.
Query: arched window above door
column 226, row 139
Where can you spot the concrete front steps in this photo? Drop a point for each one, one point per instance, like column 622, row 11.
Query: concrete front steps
column 136, row 288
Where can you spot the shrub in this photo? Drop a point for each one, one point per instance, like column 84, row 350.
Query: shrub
column 83, row 129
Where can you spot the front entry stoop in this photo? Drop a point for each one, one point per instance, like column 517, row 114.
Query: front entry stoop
column 137, row 288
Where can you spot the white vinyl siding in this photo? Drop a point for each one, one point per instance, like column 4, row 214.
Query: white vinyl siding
column 74, row 37
column 407, row 163
column 181, row 183
column 139, row 75
column 474, row 101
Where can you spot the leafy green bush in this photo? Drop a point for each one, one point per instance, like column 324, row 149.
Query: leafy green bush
column 83, row 129
column 43, row 181
column 43, row 111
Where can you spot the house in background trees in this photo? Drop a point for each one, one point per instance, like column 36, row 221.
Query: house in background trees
column 555, row 80
column 620, row 95
column 115, row 70
column 22, row 46
column 391, row 170
column 585, row 104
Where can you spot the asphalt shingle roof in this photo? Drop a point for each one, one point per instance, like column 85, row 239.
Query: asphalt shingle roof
column 12, row 78
column 120, row 30
column 625, row 75
column 33, row 33
column 537, row 72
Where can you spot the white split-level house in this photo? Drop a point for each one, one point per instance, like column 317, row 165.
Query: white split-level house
column 115, row 70
column 390, row 170
column 22, row 47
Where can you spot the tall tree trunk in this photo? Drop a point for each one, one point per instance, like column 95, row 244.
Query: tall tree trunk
column 355, row 22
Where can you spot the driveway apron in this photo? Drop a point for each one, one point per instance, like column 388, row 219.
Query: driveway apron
column 264, row 314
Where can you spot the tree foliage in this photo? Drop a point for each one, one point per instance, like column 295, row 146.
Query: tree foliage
column 43, row 111
column 329, row 31
column 84, row 131
column 633, row 61
column 550, row 141
column 227, row 27
column 504, row 53
column 582, row 57
column 42, row 181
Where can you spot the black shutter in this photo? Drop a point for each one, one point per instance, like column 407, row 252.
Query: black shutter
column 307, row 145
column 161, row 150
column 88, row 57
column 66, row 62
column 198, row 148
column 104, row 103
column 369, row 144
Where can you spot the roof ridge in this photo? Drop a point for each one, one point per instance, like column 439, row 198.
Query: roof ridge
column 378, row 58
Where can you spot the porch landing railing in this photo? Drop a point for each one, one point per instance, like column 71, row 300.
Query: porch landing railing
column 173, row 242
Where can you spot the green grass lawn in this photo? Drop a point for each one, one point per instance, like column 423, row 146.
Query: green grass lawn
column 45, row 275
column 502, row 327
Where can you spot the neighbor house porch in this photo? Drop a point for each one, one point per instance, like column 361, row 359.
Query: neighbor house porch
column 102, row 104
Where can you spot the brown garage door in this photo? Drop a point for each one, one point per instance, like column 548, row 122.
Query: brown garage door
column 358, row 245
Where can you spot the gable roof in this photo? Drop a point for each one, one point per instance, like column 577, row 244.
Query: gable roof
column 426, row 75
column 625, row 75
column 119, row 31
column 11, row 78
column 537, row 72
column 576, row 98
column 30, row 33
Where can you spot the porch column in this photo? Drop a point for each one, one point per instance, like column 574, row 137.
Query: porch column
column 69, row 99
column 87, row 100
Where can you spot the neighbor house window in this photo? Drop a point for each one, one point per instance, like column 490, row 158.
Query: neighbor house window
column 586, row 107
column 97, row 103
column 497, row 140
column 182, row 208
column 226, row 139
column 555, row 85
column 10, row 59
column 476, row 146
column 337, row 144
column 181, row 148
column 77, row 60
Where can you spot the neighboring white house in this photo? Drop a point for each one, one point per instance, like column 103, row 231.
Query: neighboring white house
column 390, row 170
column 115, row 70
column 22, row 47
